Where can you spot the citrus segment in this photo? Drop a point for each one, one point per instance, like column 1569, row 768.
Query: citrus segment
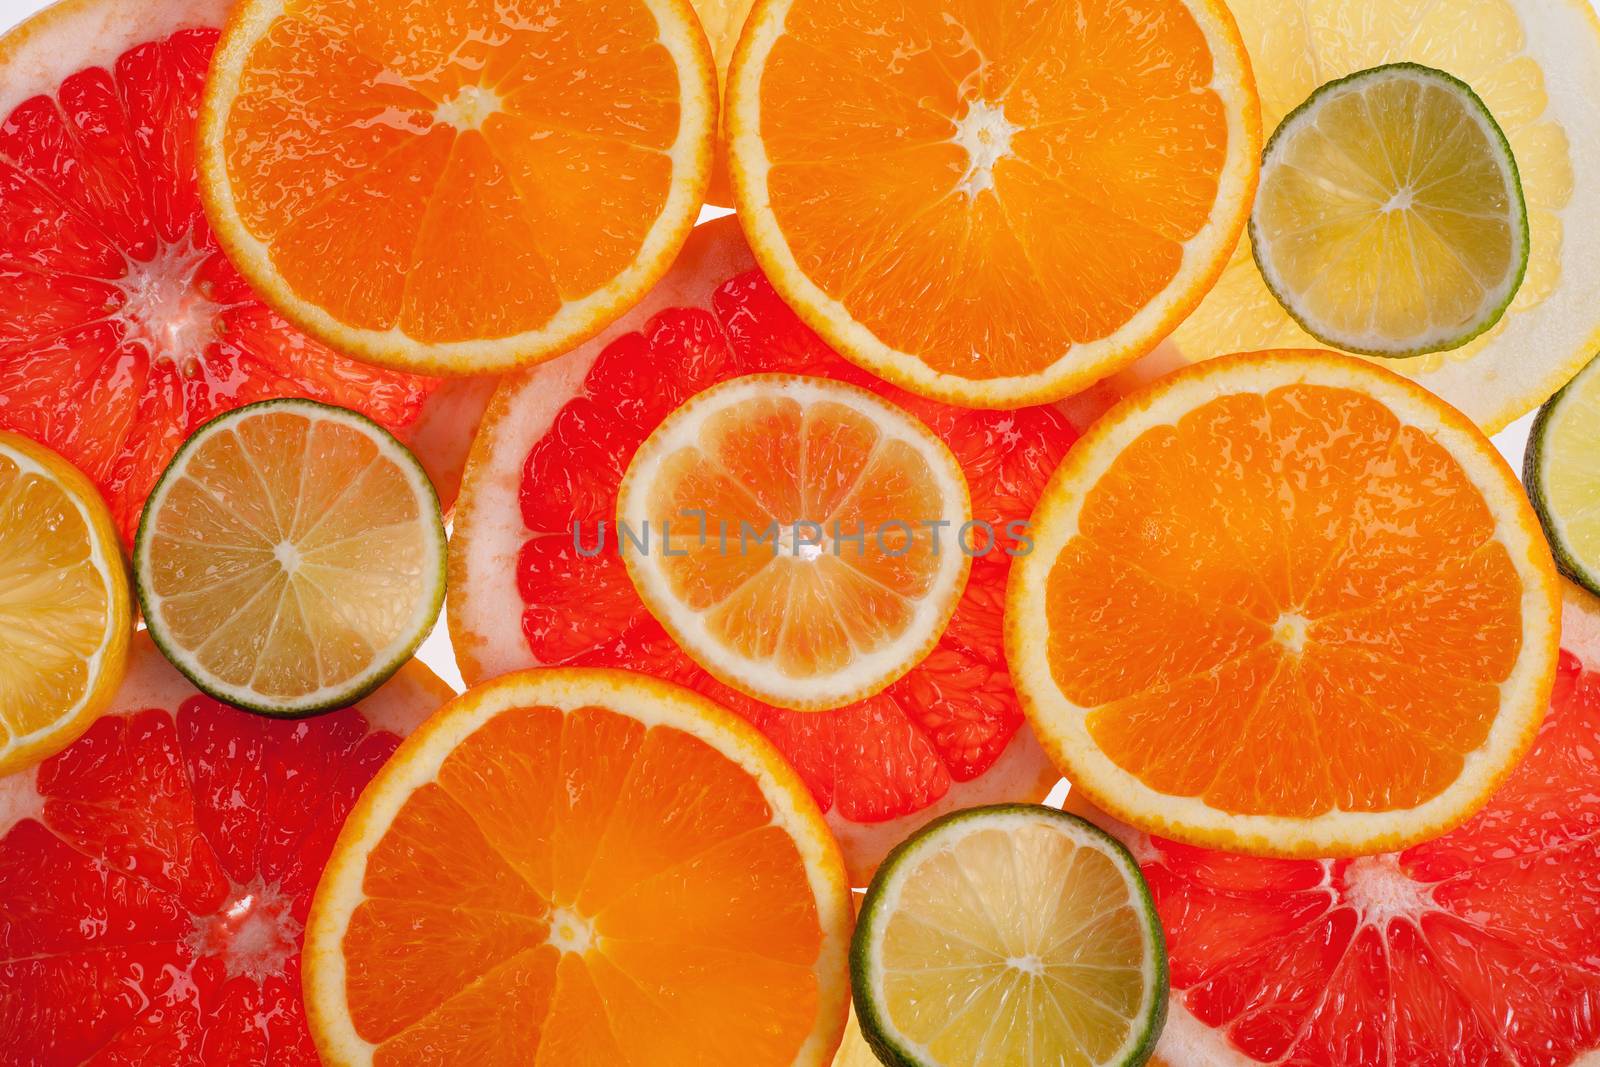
column 459, row 189
column 992, row 205
column 1560, row 472
column 1009, row 935
column 64, row 607
column 815, row 559
column 1351, row 661
column 1537, row 68
column 1477, row 947
column 563, row 846
column 948, row 734
column 1390, row 218
column 157, row 873
column 122, row 325
column 291, row 557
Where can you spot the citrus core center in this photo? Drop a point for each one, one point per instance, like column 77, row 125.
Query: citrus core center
column 569, row 931
column 253, row 933
column 1379, row 890
column 166, row 309
column 469, row 108
column 1290, row 632
column 986, row 135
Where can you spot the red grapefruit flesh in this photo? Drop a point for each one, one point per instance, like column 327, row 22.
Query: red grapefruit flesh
column 1479, row 948
column 553, row 450
column 155, row 876
column 122, row 326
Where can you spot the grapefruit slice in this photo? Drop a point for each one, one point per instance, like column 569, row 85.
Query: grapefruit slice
column 122, row 325
column 1536, row 64
column 555, row 444
column 156, row 875
column 1481, row 947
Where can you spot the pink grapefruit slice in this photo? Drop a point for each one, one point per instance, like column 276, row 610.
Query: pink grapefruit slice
column 554, row 445
column 1480, row 947
column 155, row 876
column 123, row 327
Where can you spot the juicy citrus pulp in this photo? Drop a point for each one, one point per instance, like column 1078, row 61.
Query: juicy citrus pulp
column 1010, row 935
column 122, row 326
column 576, row 866
column 460, row 186
column 1536, row 65
column 1562, row 472
column 64, row 609
column 1475, row 948
column 291, row 558
column 552, row 453
column 1389, row 219
column 992, row 204
column 816, row 557
column 722, row 20
column 1287, row 603
column 156, row 874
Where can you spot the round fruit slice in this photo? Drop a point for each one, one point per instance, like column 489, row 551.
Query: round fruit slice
column 1477, row 948
column 581, row 866
column 1287, row 604
column 291, row 558
column 1013, row 934
column 1562, row 472
column 64, row 609
column 992, row 204
column 157, row 874
column 1536, row 64
column 549, row 462
column 1389, row 219
column 819, row 547
column 457, row 188
column 122, row 325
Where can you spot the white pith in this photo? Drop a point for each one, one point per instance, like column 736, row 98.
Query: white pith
column 383, row 660
column 907, row 865
column 1085, row 362
column 870, row 670
column 653, row 704
column 1061, row 724
column 1496, row 294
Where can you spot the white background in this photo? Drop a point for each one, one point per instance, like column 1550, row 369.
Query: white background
column 436, row 650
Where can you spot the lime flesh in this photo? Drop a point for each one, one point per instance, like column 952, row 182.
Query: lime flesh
column 1561, row 470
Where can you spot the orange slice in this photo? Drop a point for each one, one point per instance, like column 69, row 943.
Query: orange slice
column 811, row 538
column 459, row 186
column 581, row 867
column 722, row 21
column 1288, row 604
column 992, row 204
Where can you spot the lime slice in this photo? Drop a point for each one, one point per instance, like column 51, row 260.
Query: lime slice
column 1562, row 472
column 1013, row 934
column 1389, row 219
column 291, row 557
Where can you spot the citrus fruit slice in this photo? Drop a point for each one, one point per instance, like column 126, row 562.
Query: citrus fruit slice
column 722, row 20
column 1013, row 934
column 458, row 188
column 1536, row 64
column 992, row 204
column 1285, row 603
column 64, row 608
column 818, row 529
column 157, row 873
column 122, row 325
column 291, row 558
column 1389, row 218
column 552, row 454
column 1562, row 474
column 1478, row 947
column 581, row 866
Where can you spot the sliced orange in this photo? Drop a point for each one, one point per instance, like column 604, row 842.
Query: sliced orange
column 992, row 204
column 804, row 540
column 1288, row 604
column 457, row 186
column 722, row 21
column 581, row 867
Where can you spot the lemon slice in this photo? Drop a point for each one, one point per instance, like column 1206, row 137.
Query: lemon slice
column 64, row 609
column 1014, row 934
column 291, row 558
column 1562, row 472
column 1390, row 219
